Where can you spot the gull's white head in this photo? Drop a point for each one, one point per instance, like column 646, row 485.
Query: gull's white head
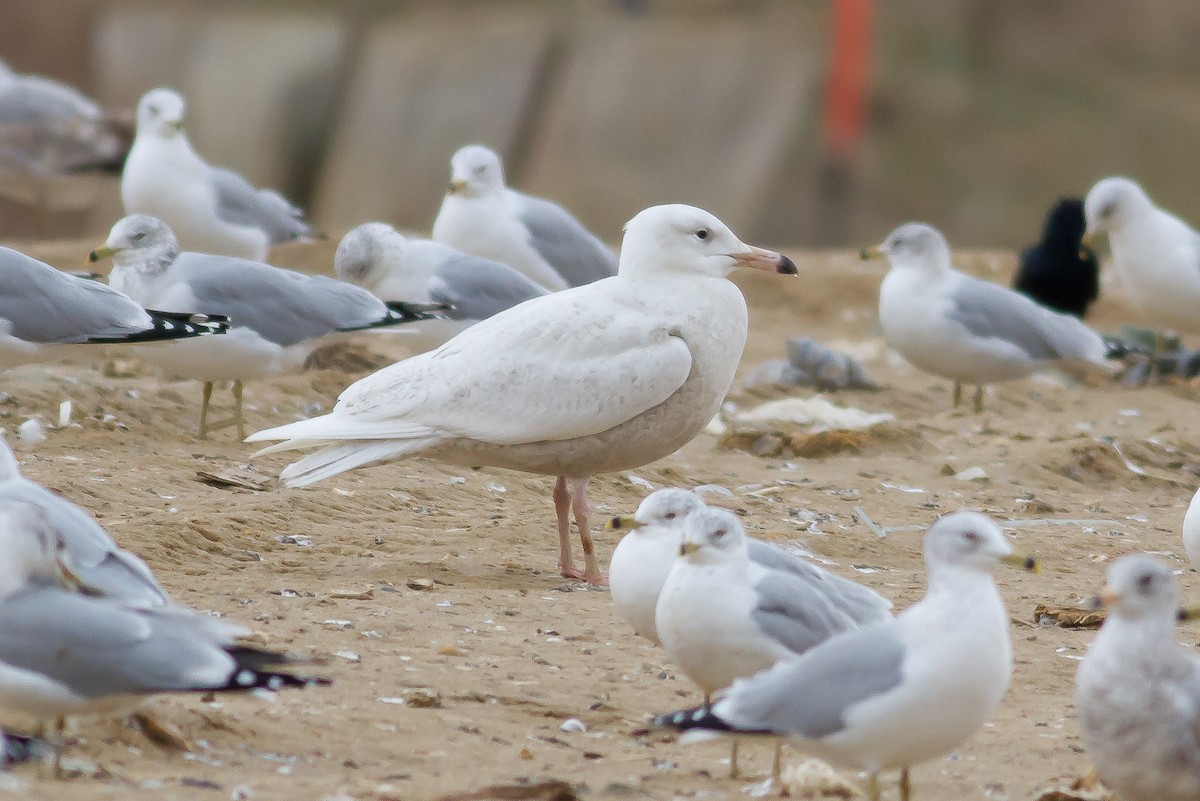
column 366, row 252
column 713, row 536
column 160, row 112
column 914, row 246
column 1111, row 203
column 971, row 541
column 30, row 545
column 1140, row 586
column 476, row 171
column 667, row 507
column 685, row 239
column 139, row 239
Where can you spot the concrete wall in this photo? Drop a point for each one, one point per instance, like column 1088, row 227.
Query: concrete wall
column 982, row 112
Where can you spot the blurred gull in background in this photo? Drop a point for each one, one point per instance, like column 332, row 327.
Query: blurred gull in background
column 46, row 315
column 970, row 330
column 278, row 317
column 482, row 216
column 211, row 209
column 396, row 268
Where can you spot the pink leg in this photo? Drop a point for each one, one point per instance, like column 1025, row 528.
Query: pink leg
column 592, row 573
column 562, row 508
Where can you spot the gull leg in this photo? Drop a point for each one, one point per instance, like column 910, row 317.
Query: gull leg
column 592, row 573
column 777, row 764
column 957, row 394
column 562, row 510
column 905, row 786
column 237, row 409
column 204, row 401
column 873, row 793
column 1155, row 345
column 58, row 740
column 979, row 399
column 733, row 766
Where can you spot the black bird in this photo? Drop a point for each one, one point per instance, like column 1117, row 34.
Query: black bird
column 1059, row 272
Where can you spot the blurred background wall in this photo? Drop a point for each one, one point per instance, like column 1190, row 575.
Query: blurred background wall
column 978, row 114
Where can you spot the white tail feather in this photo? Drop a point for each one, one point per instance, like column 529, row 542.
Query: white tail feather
column 334, row 459
column 335, row 427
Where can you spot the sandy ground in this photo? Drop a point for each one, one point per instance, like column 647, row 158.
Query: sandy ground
column 465, row 684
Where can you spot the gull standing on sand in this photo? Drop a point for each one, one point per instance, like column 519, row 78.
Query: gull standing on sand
column 722, row 616
column 1156, row 254
column 278, row 317
column 1138, row 691
column 46, row 315
column 393, row 267
column 210, row 209
column 897, row 693
column 604, row 377
column 540, row 239
column 969, row 330
column 65, row 653
column 644, row 557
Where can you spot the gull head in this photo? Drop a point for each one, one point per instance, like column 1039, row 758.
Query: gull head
column 365, row 252
column 713, row 536
column 160, row 112
column 1111, row 203
column 32, row 548
column 664, row 508
column 685, row 239
column 1140, row 586
column 476, row 171
column 971, row 541
column 138, row 239
column 914, row 246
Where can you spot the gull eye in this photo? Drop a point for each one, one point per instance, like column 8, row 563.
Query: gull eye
column 669, row 516
column 1108, row 209
column 481, row 169
column 718, row 534
column 139, row 235
column 1145, row 582
column 702, row 234
column 971, row 537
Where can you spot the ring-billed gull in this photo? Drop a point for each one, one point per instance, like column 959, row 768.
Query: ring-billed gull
column 644, row 557
column 1060, row 272
column 88, row 550
column 897, row 693
column 49, row 128
column 394, row 267
column 211, row 209
column 723, row 616
column 1154, row 252
column 534, row 236
column 46, row 314
column 608, row 376
column 969, row 330
column 1138, row 691
column 64, row 653
column 279, row 317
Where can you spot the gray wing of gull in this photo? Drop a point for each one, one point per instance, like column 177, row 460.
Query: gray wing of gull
column 562, row 241
column 240, row 203
column 478, row 288
column 811, row 696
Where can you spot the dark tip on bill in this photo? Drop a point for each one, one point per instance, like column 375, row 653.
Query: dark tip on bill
column 93, row 256
column 615, row 522
column 787, row 266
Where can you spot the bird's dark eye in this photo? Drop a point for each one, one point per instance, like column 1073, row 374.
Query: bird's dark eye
column 481, row 169
column 669, row 515
column 154, row 109
column 718, row 534
column 1145, row 582
column 971, row 536
column 1108, row 209
column 137, row 236
column 702, row 233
